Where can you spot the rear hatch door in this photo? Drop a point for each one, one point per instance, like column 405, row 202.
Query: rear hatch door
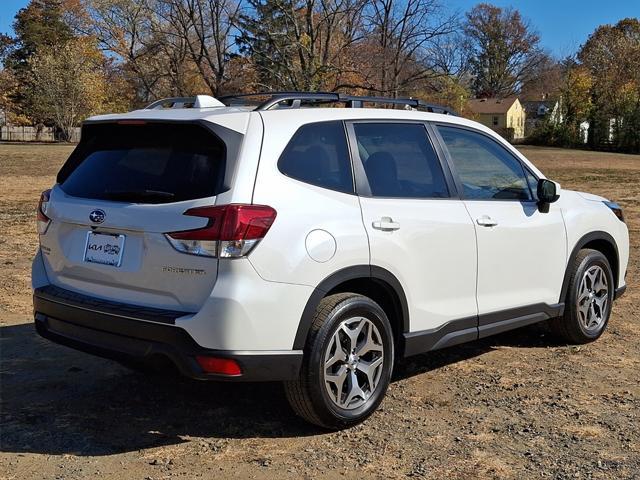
column 122, row 189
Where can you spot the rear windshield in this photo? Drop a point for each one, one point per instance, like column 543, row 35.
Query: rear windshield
column 149, row 163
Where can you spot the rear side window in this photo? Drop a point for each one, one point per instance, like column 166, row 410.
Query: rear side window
column 318, row 154
column 150, row 163
column 400, row 161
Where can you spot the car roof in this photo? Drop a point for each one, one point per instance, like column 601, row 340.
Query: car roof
column 299, row 107
column 315, row 114
column 237, row 118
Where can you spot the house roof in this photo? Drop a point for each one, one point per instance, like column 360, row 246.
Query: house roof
column 532, row 106
column 492, row 105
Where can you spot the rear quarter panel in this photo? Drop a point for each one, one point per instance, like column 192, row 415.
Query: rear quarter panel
column 309, row 218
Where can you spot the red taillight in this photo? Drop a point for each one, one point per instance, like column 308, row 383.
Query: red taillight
column 41, row 214
column 224, row 366
column 232, row 231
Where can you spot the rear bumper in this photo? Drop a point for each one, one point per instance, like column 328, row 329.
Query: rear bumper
column 125, row 333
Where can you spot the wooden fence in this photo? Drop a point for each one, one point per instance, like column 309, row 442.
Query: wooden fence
column 33, row 134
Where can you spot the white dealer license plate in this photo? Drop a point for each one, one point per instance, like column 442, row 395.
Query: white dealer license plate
column 104, row 248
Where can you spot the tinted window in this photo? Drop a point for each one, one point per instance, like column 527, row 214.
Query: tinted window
column 152, row 163
column 486, row 169
column 318, row 154
column 400, row 161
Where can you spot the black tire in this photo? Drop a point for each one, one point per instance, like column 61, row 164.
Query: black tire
column 571, row 326
column 308, row 395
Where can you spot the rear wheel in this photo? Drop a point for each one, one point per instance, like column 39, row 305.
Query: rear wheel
column 347, row 365
column 589, row 299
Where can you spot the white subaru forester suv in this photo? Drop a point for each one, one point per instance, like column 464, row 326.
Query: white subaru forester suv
column 268, row 240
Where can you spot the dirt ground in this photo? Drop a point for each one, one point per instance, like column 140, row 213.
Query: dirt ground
column 519, row 405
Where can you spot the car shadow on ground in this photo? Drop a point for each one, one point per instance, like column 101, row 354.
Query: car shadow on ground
column 59, row 401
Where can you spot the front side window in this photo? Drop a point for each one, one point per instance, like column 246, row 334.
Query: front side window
column 318, row 154
column 400, row 161
column 486, row 169
column 533, row 183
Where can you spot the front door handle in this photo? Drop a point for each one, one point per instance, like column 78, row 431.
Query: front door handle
column 386, row 224
column 486, row 221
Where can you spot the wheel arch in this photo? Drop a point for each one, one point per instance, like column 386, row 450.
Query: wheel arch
column 372, row 281
column 600, row 241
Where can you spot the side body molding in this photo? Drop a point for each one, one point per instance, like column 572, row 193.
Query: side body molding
column 456, row 331
column 413, row 343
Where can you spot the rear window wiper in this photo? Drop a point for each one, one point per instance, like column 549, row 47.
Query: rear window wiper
column 138, row 194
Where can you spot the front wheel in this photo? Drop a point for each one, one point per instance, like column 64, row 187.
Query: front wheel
column 347, row 364
column 589, row 299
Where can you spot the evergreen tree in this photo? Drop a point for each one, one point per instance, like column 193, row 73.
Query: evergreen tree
column 266, row 39
column 38, row 26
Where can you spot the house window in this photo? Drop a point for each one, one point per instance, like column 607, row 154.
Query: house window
column 495, row 121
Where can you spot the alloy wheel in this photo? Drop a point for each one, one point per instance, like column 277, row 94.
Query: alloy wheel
column 593, row 298
column 353, row 362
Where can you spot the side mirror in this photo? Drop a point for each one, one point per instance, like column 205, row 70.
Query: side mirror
column 547, row 191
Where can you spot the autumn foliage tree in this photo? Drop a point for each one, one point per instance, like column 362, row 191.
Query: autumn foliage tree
column 73, row 58
column 576, row 102
column 50, row 75
column 504, row 51
column 612, row 57
column 572, row 91
column 67, row 85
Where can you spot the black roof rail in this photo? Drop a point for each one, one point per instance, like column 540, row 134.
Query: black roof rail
column 296, row 99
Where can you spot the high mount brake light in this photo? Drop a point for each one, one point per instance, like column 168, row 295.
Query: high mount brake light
column 232, row 231
column 42, row 220
column 131, row 122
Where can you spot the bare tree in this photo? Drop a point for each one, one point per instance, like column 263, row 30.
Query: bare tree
column 204, row 28
column 303, row 45
column 448, row 56
column 406, row 35
column 168, row 47
column 182, row 46
column 124, row 29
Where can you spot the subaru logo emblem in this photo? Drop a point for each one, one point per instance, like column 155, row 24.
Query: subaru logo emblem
column 97, row 216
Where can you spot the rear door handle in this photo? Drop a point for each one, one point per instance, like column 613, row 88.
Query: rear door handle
column 486, row 221
column 386, row 224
